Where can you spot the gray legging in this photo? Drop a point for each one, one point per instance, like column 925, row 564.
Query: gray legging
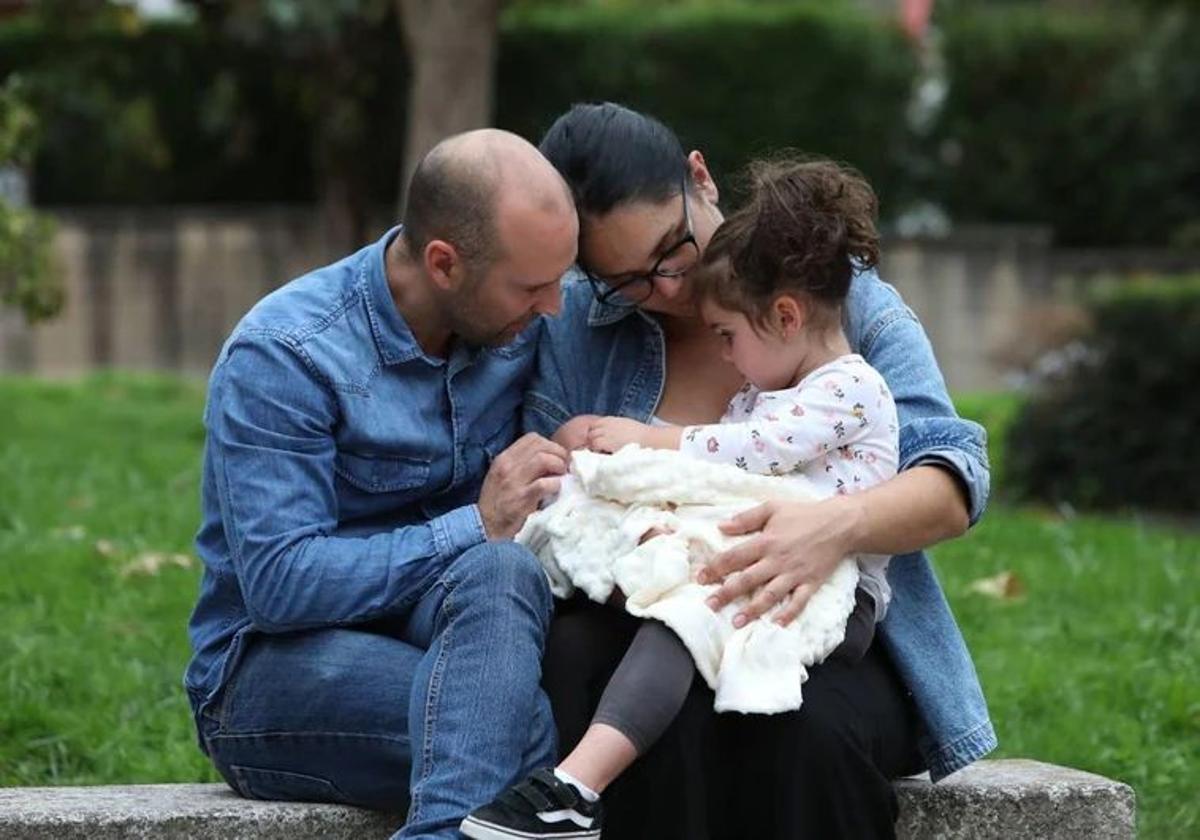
column 648, row 688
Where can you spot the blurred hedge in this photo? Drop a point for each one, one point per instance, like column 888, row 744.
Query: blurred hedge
column 1082, row 118
column 732, row 81
column 1116, row 427
column 171, row 113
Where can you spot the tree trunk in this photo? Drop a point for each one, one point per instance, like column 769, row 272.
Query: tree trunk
column 451, row 47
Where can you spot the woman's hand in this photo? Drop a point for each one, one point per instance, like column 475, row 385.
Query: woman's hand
column 798, row 546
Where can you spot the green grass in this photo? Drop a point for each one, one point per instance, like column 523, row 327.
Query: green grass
column 91, row 661
column 1096, row 666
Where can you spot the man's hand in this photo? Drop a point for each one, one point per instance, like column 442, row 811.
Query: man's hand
column 574, row 433
column 519, row 478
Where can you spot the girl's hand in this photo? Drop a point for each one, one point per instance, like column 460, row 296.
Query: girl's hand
column 798, row 546
column 608, row 434
column 574, row 433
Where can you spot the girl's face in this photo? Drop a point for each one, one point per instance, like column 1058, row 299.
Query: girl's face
column 622, row 247
column 767, row 360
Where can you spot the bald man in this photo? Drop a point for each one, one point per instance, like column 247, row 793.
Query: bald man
column 366, row 632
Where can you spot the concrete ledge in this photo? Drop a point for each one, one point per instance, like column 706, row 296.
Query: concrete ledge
column 1011, row 799
column 1016, row 798
column 177, row 812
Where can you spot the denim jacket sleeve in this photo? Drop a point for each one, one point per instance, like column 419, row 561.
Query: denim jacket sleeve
column 271, row 422
column 889, row 336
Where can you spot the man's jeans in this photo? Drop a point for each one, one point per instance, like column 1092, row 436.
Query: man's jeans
column 439, row 712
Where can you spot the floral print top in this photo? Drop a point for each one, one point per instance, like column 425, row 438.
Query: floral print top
column 838, row 427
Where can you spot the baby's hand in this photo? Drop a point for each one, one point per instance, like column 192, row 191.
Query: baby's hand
column 608, row 434
column 574, row 433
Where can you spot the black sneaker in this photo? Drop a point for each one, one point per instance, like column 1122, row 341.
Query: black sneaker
column 541, row 806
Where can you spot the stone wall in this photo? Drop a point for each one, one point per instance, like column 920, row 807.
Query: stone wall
column 1012, row 799
column 159, row 288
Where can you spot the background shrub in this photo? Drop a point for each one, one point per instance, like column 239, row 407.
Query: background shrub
column 1073, row 118
column 1117, row 427
column 173, row 113
column 733, row 81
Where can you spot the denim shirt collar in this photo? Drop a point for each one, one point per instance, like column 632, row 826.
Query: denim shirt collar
column 392, row 336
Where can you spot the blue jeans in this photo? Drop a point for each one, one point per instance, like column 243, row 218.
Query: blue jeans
column 436, row 711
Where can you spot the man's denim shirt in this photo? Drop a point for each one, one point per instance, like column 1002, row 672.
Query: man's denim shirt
column 604, row 359
column 342, row 465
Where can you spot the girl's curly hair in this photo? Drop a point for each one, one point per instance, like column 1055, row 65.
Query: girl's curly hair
column 807, row 226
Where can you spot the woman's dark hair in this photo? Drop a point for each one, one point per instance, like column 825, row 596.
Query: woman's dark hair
column 611, row 155
column 808, row 224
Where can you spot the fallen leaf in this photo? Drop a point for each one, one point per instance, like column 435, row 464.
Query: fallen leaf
column 1005, row 586
column 151, row 562
column 75, row 533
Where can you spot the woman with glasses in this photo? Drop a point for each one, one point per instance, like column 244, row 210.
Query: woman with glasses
column 630, row 342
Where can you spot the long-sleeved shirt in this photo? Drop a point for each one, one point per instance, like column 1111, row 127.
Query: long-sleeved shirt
column 342, row 465
column 599, row 358
column 837, row 427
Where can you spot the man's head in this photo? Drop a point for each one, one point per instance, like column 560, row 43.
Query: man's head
column 493, row 226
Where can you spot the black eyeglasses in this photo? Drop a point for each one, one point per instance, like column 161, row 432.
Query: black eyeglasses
column 635, row 287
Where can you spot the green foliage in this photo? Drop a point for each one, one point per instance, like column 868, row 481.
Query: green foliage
column 1083, row 120
column 27, row 277
column 1116, row 428
column 249, row 107
column 733, row 81
column 18, row 125
column 258, row 102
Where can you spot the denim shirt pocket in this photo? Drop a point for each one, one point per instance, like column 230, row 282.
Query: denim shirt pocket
column 382, row 473
column 497, row 441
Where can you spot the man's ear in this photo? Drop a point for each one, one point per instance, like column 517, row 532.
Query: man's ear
column 702, row 180
column 790, row 314
column 443, row 265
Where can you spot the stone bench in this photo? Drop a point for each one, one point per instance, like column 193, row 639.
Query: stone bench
column 1009, row 799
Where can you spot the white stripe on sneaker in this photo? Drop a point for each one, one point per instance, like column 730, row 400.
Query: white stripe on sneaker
column 566, row 814
column 480, row 830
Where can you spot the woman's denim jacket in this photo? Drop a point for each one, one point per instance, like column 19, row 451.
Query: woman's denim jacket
column 604, row 359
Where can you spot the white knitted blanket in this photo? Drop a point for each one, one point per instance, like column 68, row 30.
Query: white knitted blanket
column 589, row 539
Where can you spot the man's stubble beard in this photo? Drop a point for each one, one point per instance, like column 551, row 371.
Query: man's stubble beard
column 467, row 318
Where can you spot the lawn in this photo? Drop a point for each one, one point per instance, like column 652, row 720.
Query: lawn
column 1094, row 663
